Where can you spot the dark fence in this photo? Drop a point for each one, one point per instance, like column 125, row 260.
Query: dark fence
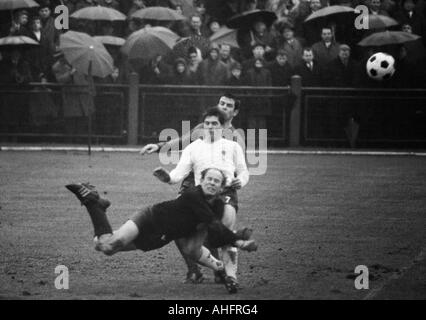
column 52, row 113
column 135, row 114
column 365, row 117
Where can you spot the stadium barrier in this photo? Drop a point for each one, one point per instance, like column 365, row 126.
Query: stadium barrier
column 134, row 113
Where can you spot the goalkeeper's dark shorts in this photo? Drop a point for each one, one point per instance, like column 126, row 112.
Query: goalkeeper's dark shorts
column 150, row 238
column 228, row 195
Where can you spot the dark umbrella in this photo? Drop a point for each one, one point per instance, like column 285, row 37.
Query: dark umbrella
column 248, row 18
column 225, row 35
column 387, row 38
column 147, row 43
column 180, row 50
column 89, row 57
column 99, row 13
column 158, row 14
column 330, row 12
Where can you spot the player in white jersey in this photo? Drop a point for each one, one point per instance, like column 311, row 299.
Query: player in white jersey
column 226, row 155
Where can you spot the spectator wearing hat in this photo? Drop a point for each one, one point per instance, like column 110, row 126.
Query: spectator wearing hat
column 310, row 70
column 235, row 77
column 327, row 49
column 280, row 69
column 286, row 41
column 212, row 71
column 342, row 71
column 258, row 33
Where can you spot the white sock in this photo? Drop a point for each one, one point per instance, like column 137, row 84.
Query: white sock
column 230, row 260
column 209, row 261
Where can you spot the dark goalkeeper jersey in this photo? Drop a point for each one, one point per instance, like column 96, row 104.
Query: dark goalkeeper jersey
column 180, row 217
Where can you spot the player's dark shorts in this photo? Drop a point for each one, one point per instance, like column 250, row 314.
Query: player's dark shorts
column 149, row 237
column 229, row 195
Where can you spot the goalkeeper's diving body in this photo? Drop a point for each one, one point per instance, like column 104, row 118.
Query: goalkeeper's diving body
column 155, row 226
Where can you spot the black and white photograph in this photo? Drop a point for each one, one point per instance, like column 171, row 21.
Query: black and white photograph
column 212, row 150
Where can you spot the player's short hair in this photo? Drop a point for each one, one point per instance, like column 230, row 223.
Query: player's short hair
column 214, row 112
column 204, row 172
column 233, row 97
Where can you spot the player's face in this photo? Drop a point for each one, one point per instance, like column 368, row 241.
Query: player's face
column 212, row 127
column 212, row 182
column 228, row 107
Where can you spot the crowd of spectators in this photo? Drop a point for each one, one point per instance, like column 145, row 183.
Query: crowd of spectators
column 324, row 55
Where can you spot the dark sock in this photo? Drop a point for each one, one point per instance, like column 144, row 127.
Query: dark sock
column 99, row 219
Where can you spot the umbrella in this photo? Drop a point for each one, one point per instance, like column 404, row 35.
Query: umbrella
column 80, row 50
column 89, row 57
column 387, row 38
column 99, row 13
column 377, row 21
column 14, row 41
column 17, row 4
column 327, row 12
column 147, row 43
column 248, row 18
column 110, row 40
column 158, row 14
column 225, row 35
column 180, row 50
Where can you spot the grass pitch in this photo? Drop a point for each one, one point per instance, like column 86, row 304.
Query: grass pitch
column 315, row 217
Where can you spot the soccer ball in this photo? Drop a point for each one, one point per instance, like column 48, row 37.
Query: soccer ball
column 380, row 66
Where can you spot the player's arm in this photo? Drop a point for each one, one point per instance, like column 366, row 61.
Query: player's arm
column 182, row 169
column 171, row 144
column 241, row 170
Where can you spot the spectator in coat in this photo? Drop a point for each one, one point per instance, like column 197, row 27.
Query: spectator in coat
column 292, row 47
column 48, row 27
column 258, row 53
column 194, row 59
column 211, row 70
column 281, row 70
column 409, row 14
column 327, row 49
column 235, row 78
column 343, row 71
column 19, row 25
column 76, row 104
column 258, row 108
column 40, row 55
column 226, row 57
column 180, row 74
column 310, row 70
column 308, row 31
